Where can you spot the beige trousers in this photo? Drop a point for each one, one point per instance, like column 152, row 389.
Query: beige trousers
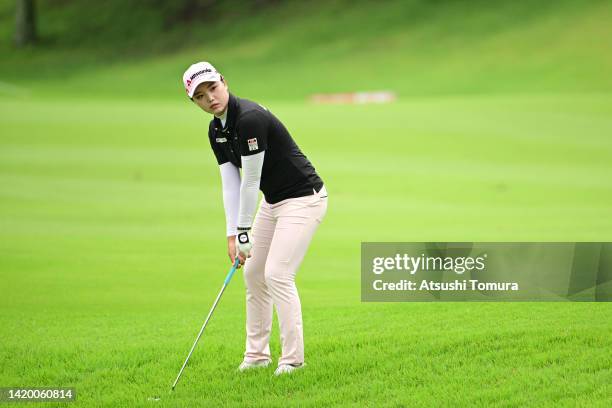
column 281, row 235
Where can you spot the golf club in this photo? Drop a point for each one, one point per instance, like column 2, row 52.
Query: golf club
column 225, row 283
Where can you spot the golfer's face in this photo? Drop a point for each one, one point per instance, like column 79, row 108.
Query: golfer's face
column 212, row 97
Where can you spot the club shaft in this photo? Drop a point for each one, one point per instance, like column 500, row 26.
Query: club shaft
column 199, row 334
column 227, row 280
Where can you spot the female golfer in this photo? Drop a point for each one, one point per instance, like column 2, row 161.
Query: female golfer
column 246, row 135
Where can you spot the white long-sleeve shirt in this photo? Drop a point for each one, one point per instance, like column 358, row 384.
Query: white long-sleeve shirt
column 240, row 195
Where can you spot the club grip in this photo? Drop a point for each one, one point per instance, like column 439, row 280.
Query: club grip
column 228, row 278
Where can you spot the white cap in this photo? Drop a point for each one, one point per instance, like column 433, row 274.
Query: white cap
column 198, row 73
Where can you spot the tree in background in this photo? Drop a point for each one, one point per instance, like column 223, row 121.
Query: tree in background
column 25, row 23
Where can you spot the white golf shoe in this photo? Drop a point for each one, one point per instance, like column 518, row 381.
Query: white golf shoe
column 248, row 365
column 288, row 368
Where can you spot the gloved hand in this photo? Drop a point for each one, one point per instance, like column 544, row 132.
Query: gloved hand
column 244, row 244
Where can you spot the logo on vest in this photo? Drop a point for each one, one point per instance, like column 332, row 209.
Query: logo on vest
column 252, row 144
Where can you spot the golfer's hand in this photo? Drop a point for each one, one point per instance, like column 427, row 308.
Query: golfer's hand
column 232, row 253
column 244, row 243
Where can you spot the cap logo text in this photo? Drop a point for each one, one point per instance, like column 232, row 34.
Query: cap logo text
column 200, row 73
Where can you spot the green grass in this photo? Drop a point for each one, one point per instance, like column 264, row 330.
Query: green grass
column 112, row 252
column 112, row 243
column 415, row 48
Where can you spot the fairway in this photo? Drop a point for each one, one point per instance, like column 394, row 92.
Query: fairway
column 113, row 239
column 112, row 243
